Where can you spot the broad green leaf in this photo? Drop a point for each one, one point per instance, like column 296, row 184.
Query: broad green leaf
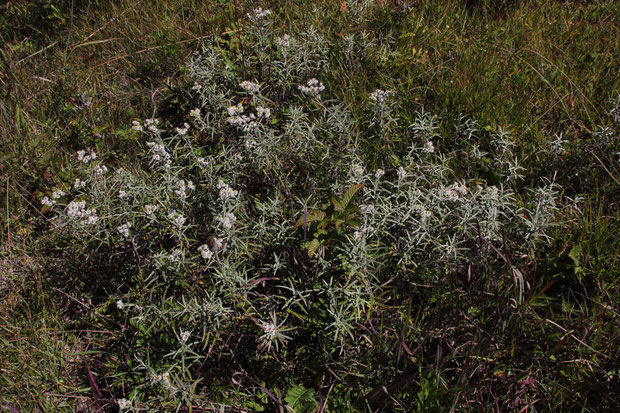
column 350, row 194
column 312, row 216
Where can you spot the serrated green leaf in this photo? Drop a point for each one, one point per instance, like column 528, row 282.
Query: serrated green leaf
column 311, row 216
column 313, row 246
column 301, row 399
column 350, row 194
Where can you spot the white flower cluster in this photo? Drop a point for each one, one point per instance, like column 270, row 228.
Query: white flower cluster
column 83, row 157
column 183, row 187
column 164, row 379
column 204, row 162
column 226, row 192
column 184, row 336
column 100, row 169
column 120, row 304
column 456, row 191
column 77, row 209
column 402, row 173
column 135, row 125
column 194, row 113
column 380, row 96
column 284, row 41
column 196, row 86
column 259, row 13
column 122, row 194
column 423, row 211
column 175, row 255
column 205, row 252
column 124, row 229
column 245, row 122
column 379, row 173
column 150, row 209
column 159, row 153
column 428, row 147
column 177, row 218
column 263, row 112
column 227, row 220
column 182, row 131
column 360, row 233
column 56, row 194
column 313, row 87
column 357, row 169
column 250, row 86
column 79, row 183
column 151, row 124
column 367, row 208
column 235, row 109
column 123, row 404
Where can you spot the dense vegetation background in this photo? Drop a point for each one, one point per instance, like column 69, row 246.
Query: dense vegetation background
column 446, row 337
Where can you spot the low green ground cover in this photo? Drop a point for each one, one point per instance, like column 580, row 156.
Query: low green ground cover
column 333, row 206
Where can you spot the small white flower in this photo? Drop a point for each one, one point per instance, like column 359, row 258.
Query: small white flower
column 313, row 87
column 367, row 208
column 202, row 162
column 226, row 192
column 235, row 109
column 101, row 169
column 123, row 404
column 379, row 173
column 122, row 194
column 357, row 169
column 217, row 244
column 57, row 194
column 124, row 229
column 175, row 255
column 205, row 252
column 250, row 86
column 264, row 112
column 195, row 113
column 196, row 86
column 380, row 96
column 79, row 183
column 284, row 41
column 46, row 201
column 358, row 235
column 184, row 336
column 150, row 209
column 182, row 131
column 259, row 13
column 402, row 173
column 136, row 126
column 428, row 147
column 227, row 220
column 120, row 304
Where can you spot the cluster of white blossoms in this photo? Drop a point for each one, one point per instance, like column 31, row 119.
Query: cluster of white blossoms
column 245, row 122
column 122, row 194
column 77, row 209
column 428, row 147
column 195, row 113
column 182, row 131
column 367, row 208
column 79, row 183
column 83, row 157
column 175, row 255
column 159, row 153
column 100, row 169
column 205, row 252
column 151, row 124
column 177, row 218
column 313, row 87
column 357, row 169
column 263, row 112
column 227, row 220
column 120, row 304
column 226, row 192
column 284, row 41
column 456, row 191
column 196, row 86
column 360, row 233
column 423, row 211
column 250, row 86
column 124, row 229
column 402, row 173
column 123, row 404
column 135, row 125
column 183, row 187
column 184, row 336
column 380, row 96
column 164, row 379
column 203, row 162
column 235, row 109
column 259, row 13
column 150, row 209
column 56, row 194
column 379, row 173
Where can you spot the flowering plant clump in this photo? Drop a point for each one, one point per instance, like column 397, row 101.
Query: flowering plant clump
column 261, row 215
